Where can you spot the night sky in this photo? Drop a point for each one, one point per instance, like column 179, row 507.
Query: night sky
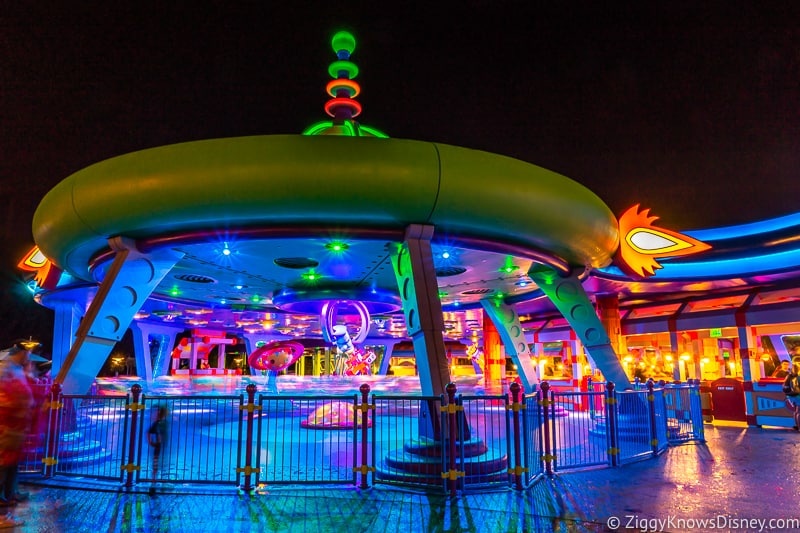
column 690, row 111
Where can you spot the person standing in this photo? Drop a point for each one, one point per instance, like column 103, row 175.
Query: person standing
column 16, row 401
column 781, row 371
column 791, row 387
column 157, row 439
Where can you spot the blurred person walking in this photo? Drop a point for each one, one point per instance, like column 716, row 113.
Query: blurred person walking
column 157, row 439
column 16, row 401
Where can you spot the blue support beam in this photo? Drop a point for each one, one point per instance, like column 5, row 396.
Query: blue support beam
column 130, row 280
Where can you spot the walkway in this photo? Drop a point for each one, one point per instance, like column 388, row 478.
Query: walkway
column 740, row 473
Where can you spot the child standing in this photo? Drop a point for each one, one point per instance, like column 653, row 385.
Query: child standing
column 157, row 439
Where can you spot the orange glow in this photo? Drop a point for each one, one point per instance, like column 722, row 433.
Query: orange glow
column 343, row 83
column 45, row 272
column 642, row 243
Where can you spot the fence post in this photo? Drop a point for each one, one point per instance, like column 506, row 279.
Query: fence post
column 365, row 408
column 651, row 399
column 134, row 407
column 516, row 406
column 53, row 408
column 545, row 402
column 696, row 410
column 611, row 417
column 452, row 474
column 248, row 469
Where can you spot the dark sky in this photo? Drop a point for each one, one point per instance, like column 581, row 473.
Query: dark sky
column 692, row 111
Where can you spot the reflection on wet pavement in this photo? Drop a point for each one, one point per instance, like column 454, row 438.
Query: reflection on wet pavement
column 741, row 473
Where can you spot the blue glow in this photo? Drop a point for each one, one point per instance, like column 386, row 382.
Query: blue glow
column 718, row 269
column 734, row 267
column 744, row 230
column 32, row 286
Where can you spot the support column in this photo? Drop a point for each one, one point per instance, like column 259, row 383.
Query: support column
column 577, row 367
column 608, row 309
column 674, row 347
column 388, row 348
column 674, row 343
column 193, row 341
column 494, row 360
column 505, row 322
column 159, row 366
column 220, row 358
column 538, row 353
column 419, row 292
column 129, row 281
column 68, row 315
column 747, row 356
column 572, row 301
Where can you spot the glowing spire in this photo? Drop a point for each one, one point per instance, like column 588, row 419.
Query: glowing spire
column 342, row 106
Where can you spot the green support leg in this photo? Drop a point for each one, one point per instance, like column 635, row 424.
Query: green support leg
column 572, row 301
column 506, row 320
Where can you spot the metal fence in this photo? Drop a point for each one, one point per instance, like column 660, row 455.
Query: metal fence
column 453, row 443
column 200, row 430
column 322, row 451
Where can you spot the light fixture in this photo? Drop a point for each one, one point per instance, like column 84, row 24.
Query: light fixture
column 337, row 246
column 311, row 276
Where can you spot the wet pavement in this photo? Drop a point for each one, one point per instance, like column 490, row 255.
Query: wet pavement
column 741, row 479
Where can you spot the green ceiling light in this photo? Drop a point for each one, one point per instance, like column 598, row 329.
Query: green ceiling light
column 509, row 267
column 256, row 298
column 174, row 291
column 311, row 276
column 337, row 246
column 442, row 294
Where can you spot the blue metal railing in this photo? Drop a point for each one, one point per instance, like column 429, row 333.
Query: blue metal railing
column 458, row 443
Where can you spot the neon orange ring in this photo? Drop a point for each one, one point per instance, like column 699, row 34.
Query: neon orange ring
column 342, row 83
